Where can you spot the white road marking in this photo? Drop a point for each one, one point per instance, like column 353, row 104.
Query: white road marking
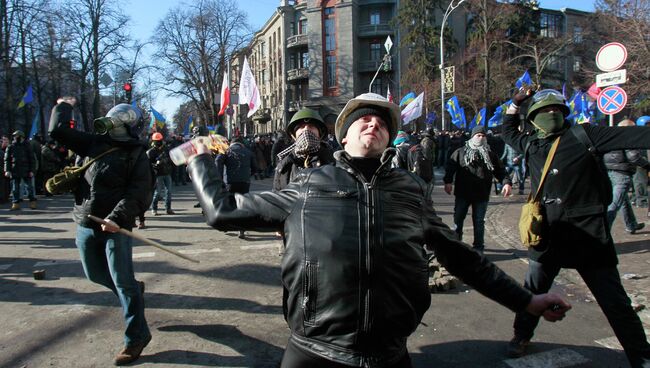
column 610, row 343
column 5, row 267
column 261, row 246
column 144, row 255
column 199, row 251
column 55, row 262
column 556, row 358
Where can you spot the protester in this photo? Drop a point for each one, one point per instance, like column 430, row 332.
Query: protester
column 514, row 162
column 162, row 166
column 402, row 143
column 574, row 202
column 308, row 130
column 19, row 167
column 116, row 188
column 5, row 182
column 50, row 163
column 355, row 272
column 469, row 173
column 236, row 166
column 621, row 166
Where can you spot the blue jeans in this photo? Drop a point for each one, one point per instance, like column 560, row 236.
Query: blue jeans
column 519, row 171
column 163, row 185
column 15, row 189
column 621, row 183
column 107, row 260
column 605, row 284
column 479, row 208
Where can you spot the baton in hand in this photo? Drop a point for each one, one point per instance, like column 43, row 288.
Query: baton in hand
column 144, row 240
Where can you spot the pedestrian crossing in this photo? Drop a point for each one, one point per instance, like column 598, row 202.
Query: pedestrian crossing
column 556, row 358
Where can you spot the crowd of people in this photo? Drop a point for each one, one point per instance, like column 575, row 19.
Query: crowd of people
column 356, row 284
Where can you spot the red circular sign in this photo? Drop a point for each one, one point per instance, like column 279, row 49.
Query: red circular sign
column 612, row 100
column 611, row 56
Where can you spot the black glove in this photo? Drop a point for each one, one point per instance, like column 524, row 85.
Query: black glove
column 522, row 95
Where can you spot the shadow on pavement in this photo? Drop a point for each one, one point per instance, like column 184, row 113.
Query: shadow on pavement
column 254, row 352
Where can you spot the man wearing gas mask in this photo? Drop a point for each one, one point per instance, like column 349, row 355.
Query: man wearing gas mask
column 116, row 187
column 309, row 150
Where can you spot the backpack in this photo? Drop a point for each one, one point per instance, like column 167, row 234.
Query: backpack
column 420, row 163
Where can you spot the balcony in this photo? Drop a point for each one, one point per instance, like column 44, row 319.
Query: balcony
column 373, row 30
column 297, row 40
column 295, row 75
column 369, row 66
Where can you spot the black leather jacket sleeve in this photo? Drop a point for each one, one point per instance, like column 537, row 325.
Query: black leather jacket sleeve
column 232, row 211
column 474, row 269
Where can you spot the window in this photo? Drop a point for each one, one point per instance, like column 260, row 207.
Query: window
column 328, row 11
column 378, row 86
column 550, row 25
column 375, row 51
column 577, row 63
column 292, row 61
column 330, row 35
column 577, row 34
column 375, row 17
column 304, row 60
column 331, row 71
column 262, row 48
column 302, row 26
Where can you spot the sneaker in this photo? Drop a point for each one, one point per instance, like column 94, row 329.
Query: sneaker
column 131, row 353
column 154, row 212
column 637, row 228
column 242, row 235
column 517, row 347
column 198, row 205
column 170, row 212
column 32, row 205
column 15, row 207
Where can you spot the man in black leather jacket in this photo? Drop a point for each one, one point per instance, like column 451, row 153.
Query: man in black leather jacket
column 354, row 270
column 116, row 188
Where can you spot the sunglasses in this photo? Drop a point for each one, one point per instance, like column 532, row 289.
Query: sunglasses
column 538, row 96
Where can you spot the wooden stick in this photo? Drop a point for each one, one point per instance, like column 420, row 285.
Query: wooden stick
column 145, row 240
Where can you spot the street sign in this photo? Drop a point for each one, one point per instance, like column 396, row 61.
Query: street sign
column 449, row 79
column 611, row 78
column 612, row 100
column 611, row 56
column 388, row 44
column 106, row 79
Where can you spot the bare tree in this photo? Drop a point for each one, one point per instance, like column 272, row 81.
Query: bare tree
column 98, row 34
column 194, row 44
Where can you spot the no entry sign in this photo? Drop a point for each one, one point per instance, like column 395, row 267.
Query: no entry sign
column 611, row 56
column 612, row 100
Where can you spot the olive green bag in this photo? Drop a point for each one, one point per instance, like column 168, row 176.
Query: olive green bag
column 67, row 180
column 531, row 218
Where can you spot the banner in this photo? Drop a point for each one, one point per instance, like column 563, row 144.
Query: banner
column 27, row 97
column 225, row 94
column 248, row 92
column 413, row 110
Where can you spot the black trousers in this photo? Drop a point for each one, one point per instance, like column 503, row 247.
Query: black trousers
column 238, row 187
column 605, row 284
column 294, row 357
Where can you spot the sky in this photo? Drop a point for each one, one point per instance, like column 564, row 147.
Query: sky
column 146, row 14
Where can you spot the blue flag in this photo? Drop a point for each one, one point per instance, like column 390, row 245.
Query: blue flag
column 407, row 99
column 456, row 113
column 524, row 79
column 188, row 125
column 479, row 119
column 156, row 119
column 27, row 97
column 431, row 117
column 497, row 118
column 34, row 130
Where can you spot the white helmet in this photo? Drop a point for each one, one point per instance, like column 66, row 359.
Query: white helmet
column 368, row 100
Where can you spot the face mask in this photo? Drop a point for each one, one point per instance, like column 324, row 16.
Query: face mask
column 477, row 141
column 306, row 143
column 549, row 122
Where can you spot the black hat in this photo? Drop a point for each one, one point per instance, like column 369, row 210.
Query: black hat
column 478, row 129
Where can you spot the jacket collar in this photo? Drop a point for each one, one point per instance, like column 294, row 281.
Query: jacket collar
column 343, row 160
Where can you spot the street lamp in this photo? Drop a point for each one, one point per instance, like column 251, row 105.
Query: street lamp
column 450, row 8
column 384, row 62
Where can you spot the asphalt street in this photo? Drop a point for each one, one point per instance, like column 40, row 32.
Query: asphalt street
column 226, row 310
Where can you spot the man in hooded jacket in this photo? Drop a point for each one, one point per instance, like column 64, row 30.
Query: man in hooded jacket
column 116, row 187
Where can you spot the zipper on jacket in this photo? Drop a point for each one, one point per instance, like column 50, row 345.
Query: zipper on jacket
column 369, row 240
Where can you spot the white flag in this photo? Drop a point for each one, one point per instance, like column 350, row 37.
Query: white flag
column 413, row 110
column 248, row 92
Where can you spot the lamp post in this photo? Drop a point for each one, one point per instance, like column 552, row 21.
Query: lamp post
column 450, row 9
column 385, row 61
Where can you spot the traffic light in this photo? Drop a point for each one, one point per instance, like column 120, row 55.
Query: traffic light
column 128, row 88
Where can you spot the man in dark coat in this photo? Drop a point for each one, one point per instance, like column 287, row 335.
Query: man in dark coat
column 20, row 166
column 355, row 271
column 471, row 169
column 116, row 187
column 574, row 200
